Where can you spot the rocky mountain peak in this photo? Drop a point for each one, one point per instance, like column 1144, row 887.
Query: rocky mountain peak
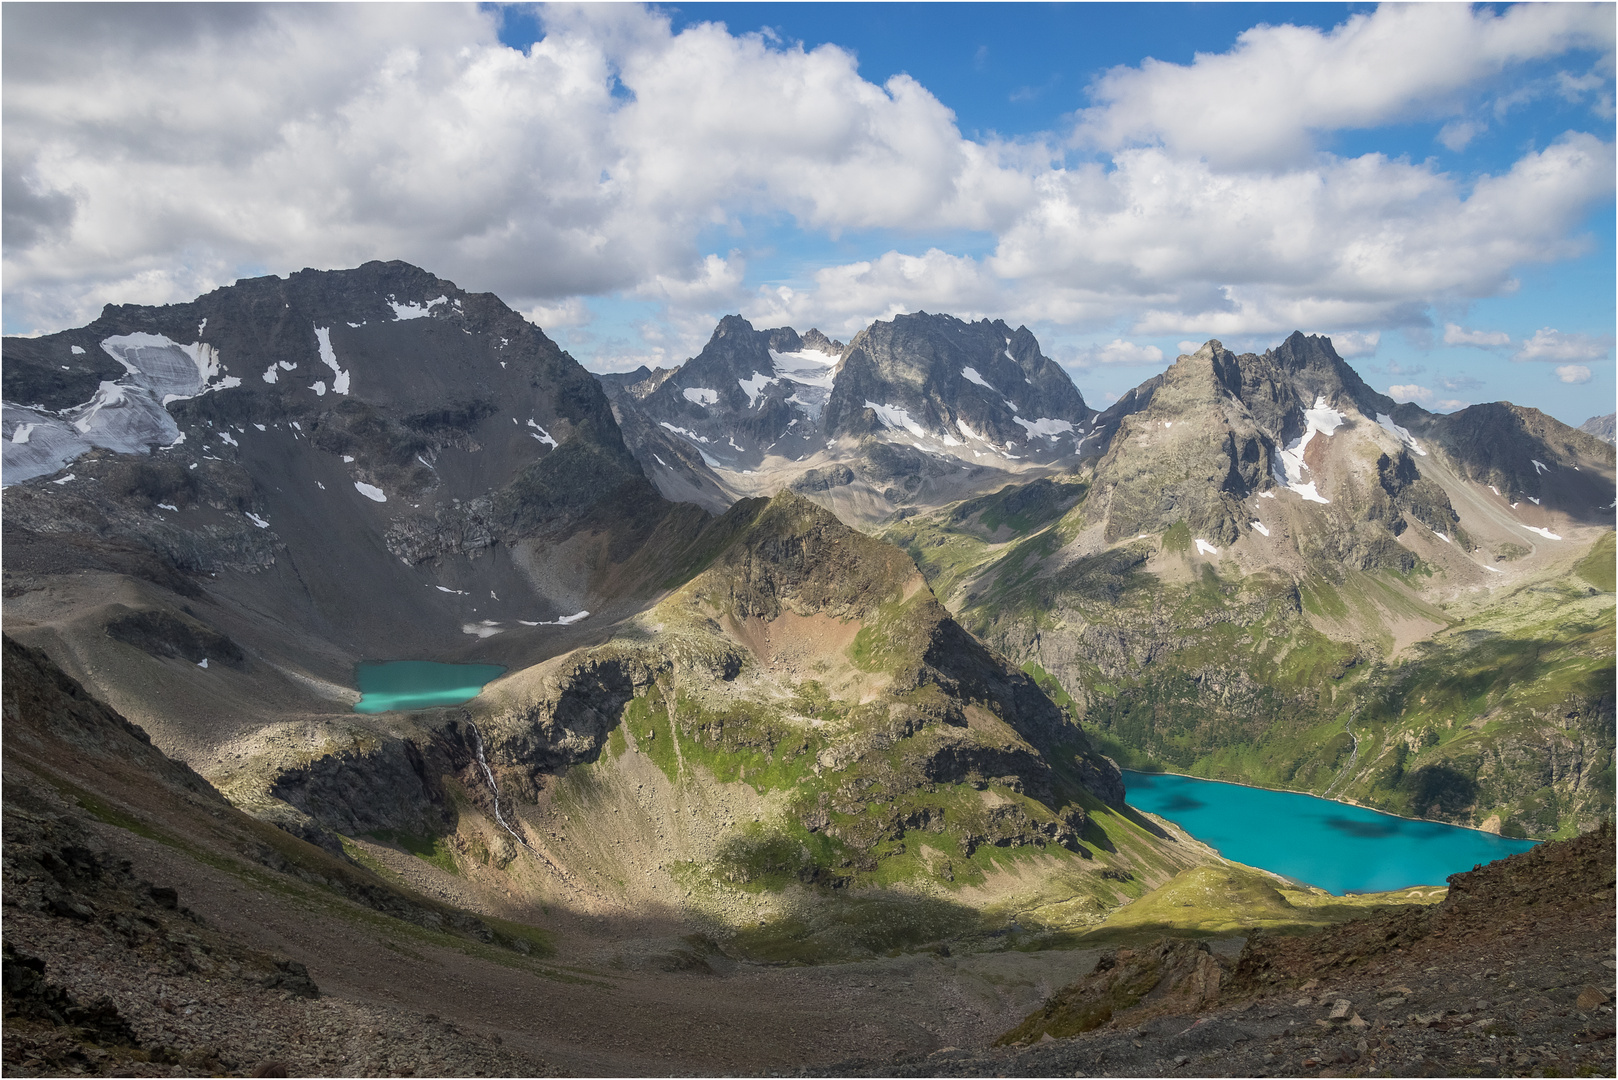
column 1604, row 428
column 918, row 402
column 953, row 379
column 278, row 421
column 1222, row 442
column 814, row 339
column 731, row 325
column 1316, row 369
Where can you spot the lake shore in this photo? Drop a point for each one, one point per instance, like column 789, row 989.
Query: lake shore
column 1326, row 843
column 1329, row 798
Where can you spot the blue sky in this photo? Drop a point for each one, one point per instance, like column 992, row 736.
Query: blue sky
column 1432, row 186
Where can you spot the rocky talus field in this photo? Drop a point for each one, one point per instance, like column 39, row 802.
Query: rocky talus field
column 1511, row 975
column 814, row 667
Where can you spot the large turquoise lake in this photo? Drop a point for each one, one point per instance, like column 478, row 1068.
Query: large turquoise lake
column 419, row 684
column 1337, row 847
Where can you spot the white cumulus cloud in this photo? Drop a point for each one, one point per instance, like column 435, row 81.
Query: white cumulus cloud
column 1455, row 334
column 1351, row 343
column 1269, row 99
column 844, row 299
column 158, row 151
column 329, row 134
column 1551, row 345
column 1573, row 373
column 1425, row 397
column 1119, row 351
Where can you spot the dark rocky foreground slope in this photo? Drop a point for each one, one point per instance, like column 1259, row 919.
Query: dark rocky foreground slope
column 1511, row 975
column 110, row 971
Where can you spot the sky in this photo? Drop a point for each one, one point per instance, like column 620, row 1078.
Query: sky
column 1432, row 186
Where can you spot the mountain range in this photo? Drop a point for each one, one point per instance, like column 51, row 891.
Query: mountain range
column 1244, row 568
column 918, row 411
column 731, row 725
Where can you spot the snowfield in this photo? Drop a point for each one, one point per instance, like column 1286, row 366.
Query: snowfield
column 893, row 417
column 1322, row 419
column 127, row 415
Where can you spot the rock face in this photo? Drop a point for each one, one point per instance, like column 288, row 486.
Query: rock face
column 106, row 972
column 1168, row 977
column 747, row 393
column 1512, row 958
column 977, row 382
column 914, row 411
column 1201, row 441
column 1604, row 428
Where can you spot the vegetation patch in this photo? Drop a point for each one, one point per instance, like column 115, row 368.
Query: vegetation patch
column 435, row 850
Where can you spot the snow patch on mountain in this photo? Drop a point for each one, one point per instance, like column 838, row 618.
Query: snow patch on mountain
column 543, row 436
column 686, row 432
column 1402, row 433
column 754, row 386
column 808, row 366
column 1051, row 429
column 966, row 429
column 565, row 620
column 970, row 374
column 413, row 310
column 1322, row 419
column 701, row 395
column 328, row 356
column 893, row 417
column 127, row 415
column 812, row 405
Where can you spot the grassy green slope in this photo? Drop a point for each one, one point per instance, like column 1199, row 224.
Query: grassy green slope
column 851, row 773
column 1503, row 720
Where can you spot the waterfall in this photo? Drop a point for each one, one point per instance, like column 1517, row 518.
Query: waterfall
column 477, row 742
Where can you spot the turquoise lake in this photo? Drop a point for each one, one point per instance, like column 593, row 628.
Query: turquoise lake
column 419, row 684
column 1337, row 847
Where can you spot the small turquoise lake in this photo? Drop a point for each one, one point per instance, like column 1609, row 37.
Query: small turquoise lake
column 419, row 684
column 1332, row 845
